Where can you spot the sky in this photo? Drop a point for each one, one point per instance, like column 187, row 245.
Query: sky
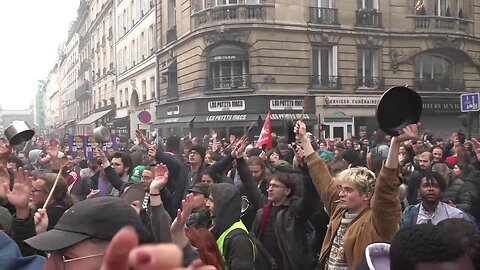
column 31, row 31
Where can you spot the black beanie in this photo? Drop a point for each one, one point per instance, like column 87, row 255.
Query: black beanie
column 200, row 150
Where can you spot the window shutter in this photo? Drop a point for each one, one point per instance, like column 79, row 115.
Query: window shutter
column 334, row 61
column 315, row 71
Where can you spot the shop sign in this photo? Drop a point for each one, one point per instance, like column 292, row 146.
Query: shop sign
column 171, row 120
column 441, row 106
column 224, row 58
column 281, row 116
column 173, row 110
column 286, row 104
column 226, row 105
column 226, row 117
column 351, row 101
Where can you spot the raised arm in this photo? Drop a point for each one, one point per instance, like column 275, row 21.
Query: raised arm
column 253, row 192
column 111, row 175
column 386, row 209
column 318, row 170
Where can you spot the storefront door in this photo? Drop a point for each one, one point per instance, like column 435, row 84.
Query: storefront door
column 338, row 130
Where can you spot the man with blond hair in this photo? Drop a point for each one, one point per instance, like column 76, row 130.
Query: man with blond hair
column 362, row 209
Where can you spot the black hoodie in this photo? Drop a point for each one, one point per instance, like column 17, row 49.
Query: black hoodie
column 237, row 250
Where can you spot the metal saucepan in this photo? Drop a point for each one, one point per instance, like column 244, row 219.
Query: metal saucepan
column 18, row 132
column 101, row 134
column 399, row 107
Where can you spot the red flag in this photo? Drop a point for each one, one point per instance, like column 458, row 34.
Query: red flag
column 265, row 137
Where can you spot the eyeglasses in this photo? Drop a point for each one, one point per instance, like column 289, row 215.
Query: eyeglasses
column 275, row 186
column 66, row 260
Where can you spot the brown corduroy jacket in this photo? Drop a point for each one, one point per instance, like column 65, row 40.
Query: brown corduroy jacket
column 378, row 223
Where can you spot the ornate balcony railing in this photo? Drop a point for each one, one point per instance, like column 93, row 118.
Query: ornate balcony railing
column 319, row 15
column 229, row 82
column 369, row 18
column 370, row 82
column 438, row 85
column 324, row 82
column 441, row 23
column 239, row 12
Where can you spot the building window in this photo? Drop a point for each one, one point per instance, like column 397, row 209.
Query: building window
column 126, row 97
column 367, row 4
column 368, row 68
column 226, row 2
column 434, row 67
column 325, row 70
column 435, row 72
column 152, row 87
column 144, row 90
column 228, row 67
column 171, row 13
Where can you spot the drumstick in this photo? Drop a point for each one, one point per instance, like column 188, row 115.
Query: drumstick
column 63, row 162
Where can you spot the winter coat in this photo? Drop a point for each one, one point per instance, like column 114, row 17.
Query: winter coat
column 237, row 251
column 378, row 223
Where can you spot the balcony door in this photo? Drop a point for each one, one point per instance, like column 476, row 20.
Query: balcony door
column 368, row 68
column 324, row 3
column 325, row 67
column 367, row 4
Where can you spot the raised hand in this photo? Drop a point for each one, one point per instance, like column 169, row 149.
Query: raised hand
column 19, row 196
column 240, row 146
column 141, row 139
column 214, row 134
column 300, row 129
column 160, row 180
column 5, row 149
column 41, row 221
column 178, row 224
column 409, row 132
column 52, row 149
column 99, row 154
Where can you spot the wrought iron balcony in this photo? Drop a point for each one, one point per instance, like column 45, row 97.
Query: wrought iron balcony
column 229, row 82
column 319, row 15
column 370, row 83
column 438, row 85
column 324, row 82
column 83, row 91
column 171, row 34
column 443, row 24
column 369, row 18
column 239, row 12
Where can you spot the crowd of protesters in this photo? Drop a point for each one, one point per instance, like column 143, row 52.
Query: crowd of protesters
column 370, row 202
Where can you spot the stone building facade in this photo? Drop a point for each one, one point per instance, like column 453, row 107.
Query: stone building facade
column 220, row 60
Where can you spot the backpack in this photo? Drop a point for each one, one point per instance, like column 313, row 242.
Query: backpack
column 263, row 259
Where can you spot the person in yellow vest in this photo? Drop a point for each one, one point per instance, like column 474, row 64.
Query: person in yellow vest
column 224, row 204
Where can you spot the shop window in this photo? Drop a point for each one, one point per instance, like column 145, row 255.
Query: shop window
column 324, row 66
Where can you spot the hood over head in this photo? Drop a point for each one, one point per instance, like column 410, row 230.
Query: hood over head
column 227, row 208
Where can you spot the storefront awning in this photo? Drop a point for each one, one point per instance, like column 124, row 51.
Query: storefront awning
column 64, row 125
column 277, row 118
column 225, row 120
column 118, row 122
column 94, row 117
column 179, row 122
column 227, row 52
